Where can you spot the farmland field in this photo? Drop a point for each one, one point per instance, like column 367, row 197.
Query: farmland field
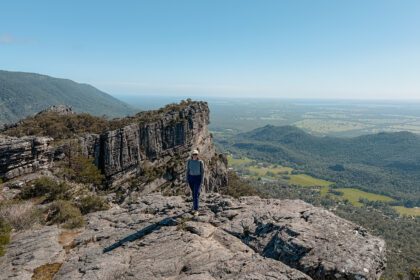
column 404, row 211
column 354, row 195
column 307, row 181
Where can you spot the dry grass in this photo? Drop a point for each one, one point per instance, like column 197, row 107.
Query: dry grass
column 46, row 271
column 66, row 239
column 4, row 236
column 20, row 215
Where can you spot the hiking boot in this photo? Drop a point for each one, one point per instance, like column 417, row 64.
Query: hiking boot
column 196, row 213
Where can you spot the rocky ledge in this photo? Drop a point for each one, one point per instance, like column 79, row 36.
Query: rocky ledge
column 25, row 155
column 155, row 237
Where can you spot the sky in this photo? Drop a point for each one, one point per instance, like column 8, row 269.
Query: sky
column 346, row 49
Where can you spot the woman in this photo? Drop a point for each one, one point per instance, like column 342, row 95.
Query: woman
column 195, row 176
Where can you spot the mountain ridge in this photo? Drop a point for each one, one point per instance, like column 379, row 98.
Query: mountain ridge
column 385, row 163
column 23, row 94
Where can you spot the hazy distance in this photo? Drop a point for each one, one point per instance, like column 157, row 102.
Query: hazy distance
column 288, row 49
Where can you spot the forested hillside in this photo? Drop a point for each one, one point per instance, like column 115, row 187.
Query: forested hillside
column 383, row 163
column 23, row 94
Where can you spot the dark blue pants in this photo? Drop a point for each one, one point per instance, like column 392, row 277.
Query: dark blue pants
column 195, row 184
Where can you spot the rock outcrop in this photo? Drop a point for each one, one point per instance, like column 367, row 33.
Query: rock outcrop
column 20, row 156
column 155, row 237
column 156, row 145
column 62, row 110
column 146, row 151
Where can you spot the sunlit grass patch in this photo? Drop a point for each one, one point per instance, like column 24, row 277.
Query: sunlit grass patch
column 404, row 211
column 266, row 171
column 237, row 161
column 354, row 195
column 308, row 181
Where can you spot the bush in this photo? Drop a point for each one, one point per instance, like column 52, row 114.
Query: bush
column 91, row 203
column 237, row 187
column 4, row 235
column 82, row 170
column 151, row 173
column 20, row 215
column 64, row 212
column 47, row 188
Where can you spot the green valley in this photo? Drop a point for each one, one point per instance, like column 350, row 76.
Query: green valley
column 266, row 171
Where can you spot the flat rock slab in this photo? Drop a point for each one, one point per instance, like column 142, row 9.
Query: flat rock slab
column 156, row 237
column 29, row 250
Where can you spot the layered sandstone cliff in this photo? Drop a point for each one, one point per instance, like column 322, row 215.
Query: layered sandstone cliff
column 20, row 156
column 155, row 148
column 145, row 152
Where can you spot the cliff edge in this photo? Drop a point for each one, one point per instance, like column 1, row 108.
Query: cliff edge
column 155, row 237
column 150, row 232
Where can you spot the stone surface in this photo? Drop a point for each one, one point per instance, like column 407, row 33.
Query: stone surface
column 153, row 149
column 159, row 148
column 154, row 237
column 63, row 110
column 25, row 155
column 29, row 250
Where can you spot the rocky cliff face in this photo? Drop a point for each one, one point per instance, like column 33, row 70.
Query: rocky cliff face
column 20, row 156
column 156, row 147
column 154, row 237
column 148, row 151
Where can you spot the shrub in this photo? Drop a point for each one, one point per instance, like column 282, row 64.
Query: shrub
column 92, row 203
column 4, row 235
column 82, row 170
column 237, row 187
column 64, row 212
column 151, row 173
column 48, row 188
column 20, row 215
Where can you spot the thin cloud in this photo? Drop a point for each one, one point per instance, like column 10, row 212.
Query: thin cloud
column 135, row 87
column 7, row 39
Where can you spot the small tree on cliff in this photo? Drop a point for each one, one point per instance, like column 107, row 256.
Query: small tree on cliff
column 80, row 168
column 83, row 170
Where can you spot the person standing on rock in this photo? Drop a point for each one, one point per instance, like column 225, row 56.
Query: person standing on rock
column 195, row 177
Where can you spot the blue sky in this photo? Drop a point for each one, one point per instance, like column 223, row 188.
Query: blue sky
column 296, row 48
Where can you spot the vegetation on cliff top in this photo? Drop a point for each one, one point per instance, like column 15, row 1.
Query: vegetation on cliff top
column 61, row 127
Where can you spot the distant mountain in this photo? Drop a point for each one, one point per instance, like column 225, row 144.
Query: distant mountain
column 381, row 149
column 23, row 94
column 387, row 163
